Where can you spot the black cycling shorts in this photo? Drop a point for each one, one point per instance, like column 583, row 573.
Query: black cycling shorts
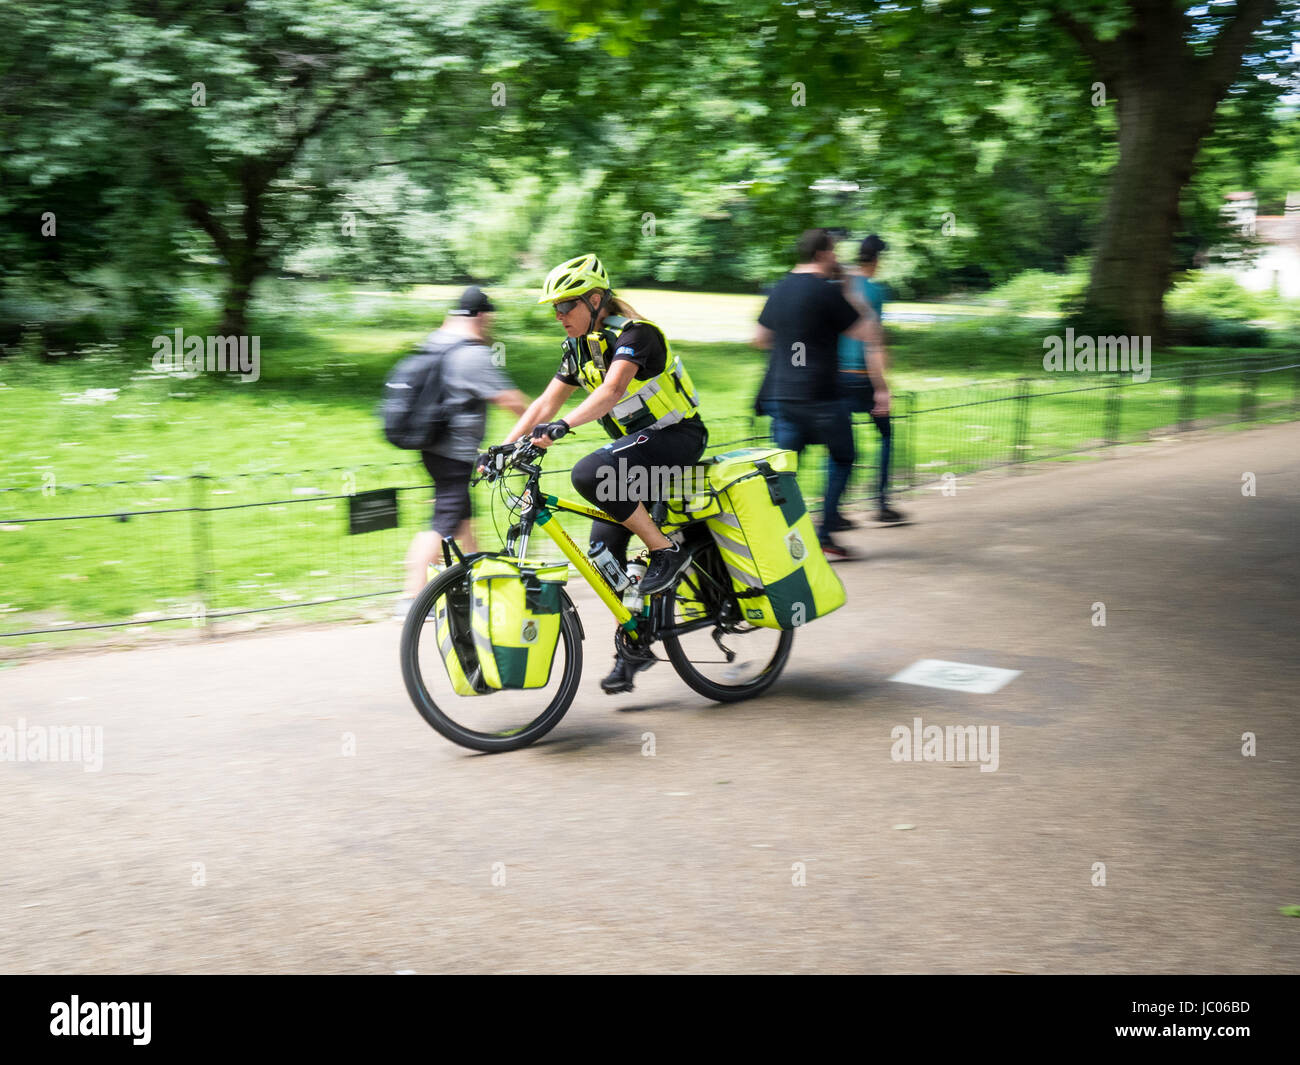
column 608, row 478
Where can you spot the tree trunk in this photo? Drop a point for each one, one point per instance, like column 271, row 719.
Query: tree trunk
column 247, row 258
column 234, row 308
column 1167, row 95
column 1160, row 130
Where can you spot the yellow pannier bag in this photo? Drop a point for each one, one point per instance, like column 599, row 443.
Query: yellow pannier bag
column 767, row 539
column 451, row 626
column 515, row 620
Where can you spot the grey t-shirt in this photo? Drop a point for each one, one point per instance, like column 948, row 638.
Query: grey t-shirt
column 468, row 374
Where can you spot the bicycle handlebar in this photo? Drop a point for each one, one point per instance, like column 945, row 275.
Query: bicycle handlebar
column 507, row 457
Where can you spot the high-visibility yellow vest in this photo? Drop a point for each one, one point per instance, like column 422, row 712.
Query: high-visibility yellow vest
column 654, row 403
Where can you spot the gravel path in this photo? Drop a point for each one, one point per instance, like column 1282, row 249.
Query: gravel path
column 227, row 830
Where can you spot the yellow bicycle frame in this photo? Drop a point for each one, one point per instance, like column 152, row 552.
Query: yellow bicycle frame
column 550, row 524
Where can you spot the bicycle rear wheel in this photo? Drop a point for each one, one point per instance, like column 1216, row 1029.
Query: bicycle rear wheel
column 720, row 656
column 500, row 720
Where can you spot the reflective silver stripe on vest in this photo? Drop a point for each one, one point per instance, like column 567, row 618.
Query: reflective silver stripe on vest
column 635, row 403
column 726, row 519
column 671, row 418
column 691, row 397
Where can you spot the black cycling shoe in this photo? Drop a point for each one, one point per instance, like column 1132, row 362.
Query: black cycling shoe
column 666, row 565
column 620, row 677
column 840, row 524
column 888, row 513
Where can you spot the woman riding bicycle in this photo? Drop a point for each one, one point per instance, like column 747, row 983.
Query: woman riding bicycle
column 645, row 400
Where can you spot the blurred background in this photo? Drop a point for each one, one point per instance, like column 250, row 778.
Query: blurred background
column 324, row 175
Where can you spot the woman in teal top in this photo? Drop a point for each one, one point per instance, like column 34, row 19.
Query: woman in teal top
column 855, row 377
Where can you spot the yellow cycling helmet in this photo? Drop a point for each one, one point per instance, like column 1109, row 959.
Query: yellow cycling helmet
column 573, row 278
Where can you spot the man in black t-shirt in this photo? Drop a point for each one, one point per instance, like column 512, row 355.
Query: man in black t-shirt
column 800, row 325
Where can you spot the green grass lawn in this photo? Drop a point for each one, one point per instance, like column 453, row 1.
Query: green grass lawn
column 106, row 435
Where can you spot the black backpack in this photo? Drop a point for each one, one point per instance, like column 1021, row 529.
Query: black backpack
column 414, row 410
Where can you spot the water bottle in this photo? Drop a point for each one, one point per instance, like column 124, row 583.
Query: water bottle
column 632, row 596
column 603, row 559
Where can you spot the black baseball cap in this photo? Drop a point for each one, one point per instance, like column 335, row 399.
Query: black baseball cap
column 473, row 301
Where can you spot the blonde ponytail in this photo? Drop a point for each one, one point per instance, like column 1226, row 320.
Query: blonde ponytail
column 621, row 306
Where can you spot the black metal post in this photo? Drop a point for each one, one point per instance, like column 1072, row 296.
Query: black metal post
column 1020, row 438
column 909, row 422
column 1187, row 402
column 1249, row 383
column 1112, row 415
column 202, row 541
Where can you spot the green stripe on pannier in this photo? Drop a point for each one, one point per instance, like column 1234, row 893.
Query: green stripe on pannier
column 792, row 600
column 792, row 509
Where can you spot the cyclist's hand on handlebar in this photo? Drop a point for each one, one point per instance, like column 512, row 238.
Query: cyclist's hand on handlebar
column 499, row 458
column 547, row 433
column 491, row 463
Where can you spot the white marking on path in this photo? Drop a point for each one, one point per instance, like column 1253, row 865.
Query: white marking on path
column 956, row 676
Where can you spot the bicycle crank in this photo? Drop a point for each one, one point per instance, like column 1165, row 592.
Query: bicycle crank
column 630, row 650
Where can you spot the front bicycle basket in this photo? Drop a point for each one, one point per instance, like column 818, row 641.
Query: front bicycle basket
column 515, row 620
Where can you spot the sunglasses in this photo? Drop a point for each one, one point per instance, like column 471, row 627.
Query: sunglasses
column 565, row 306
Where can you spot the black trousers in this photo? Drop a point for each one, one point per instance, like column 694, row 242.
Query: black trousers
column 633, row 470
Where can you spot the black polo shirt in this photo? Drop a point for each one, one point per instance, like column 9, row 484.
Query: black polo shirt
column 806, row 314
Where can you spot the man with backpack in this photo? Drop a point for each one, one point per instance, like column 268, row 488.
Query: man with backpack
column 436, row 402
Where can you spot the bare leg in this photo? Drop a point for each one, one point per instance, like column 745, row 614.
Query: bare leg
column 425, row 550
column 465, row 537
column 643, row 526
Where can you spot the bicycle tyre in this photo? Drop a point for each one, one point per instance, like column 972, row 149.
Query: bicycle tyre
column 451, row 729
column 709, row 688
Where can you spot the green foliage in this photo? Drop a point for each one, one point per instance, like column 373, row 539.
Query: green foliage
column 1192, row 329
column 1040, row 292
column 483, row 139
column 976, row 349
column 1214, row 294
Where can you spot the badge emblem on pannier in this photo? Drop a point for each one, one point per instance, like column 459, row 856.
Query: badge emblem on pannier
column 529, row 632
column 794, row 544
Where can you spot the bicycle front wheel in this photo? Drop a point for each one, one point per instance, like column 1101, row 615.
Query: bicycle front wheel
column 497, row 720
column 713, row 650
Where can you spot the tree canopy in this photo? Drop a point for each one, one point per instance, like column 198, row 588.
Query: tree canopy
column 688, row 141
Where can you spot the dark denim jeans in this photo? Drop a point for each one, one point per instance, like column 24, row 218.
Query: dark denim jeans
column 859, row 399
column 795, row 425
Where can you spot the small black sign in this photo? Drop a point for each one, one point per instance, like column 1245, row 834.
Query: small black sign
column 372, row 511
